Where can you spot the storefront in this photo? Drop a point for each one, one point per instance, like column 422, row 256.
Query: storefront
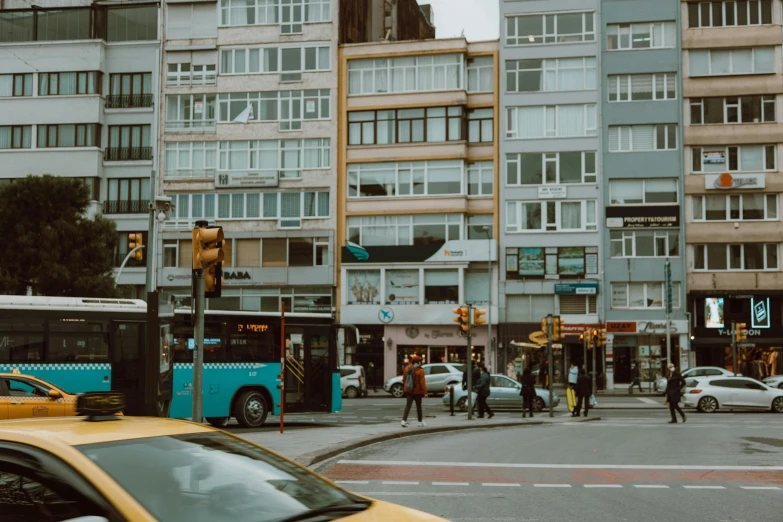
column 643, row 343
column 761, row 355
column 524, row 345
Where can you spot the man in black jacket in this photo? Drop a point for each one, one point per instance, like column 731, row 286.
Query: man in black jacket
column 584, row 389
column 674, row 393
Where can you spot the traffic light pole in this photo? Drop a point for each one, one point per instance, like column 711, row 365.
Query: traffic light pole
column 550, row 349
column 198, row 352
column 469, row 366
column 668, row 274
column 734, row 347
column 595, row 349
column 152, row 233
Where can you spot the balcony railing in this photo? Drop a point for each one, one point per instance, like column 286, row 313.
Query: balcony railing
column 191, row 126
column 139, row 206
column 128, row 101
column 189, row 173
column 127, row 154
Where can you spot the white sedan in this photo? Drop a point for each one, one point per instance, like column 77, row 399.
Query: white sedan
column 731, row 393
column 695, row 373
column 776, row 381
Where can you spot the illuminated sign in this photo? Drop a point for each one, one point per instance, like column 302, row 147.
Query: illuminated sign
column 713, row 312
column 249, row 327
column 759, row 313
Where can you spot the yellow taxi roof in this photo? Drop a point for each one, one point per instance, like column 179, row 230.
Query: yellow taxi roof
column 74, row 431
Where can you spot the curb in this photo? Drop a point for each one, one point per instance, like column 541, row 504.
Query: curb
column 318, row 456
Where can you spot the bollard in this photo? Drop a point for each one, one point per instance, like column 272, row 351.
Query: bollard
column 451, row 399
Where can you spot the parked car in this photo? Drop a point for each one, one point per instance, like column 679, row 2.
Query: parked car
column 696, row 372
column 437, row 376
column 503, row 394
column 732, row 393
column 776, row 381
column 352, row 381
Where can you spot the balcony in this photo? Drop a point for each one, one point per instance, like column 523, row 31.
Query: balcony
column 180, row 174
column 191, row 126
column 128, row 101
column 139, row 206
column 128, row 154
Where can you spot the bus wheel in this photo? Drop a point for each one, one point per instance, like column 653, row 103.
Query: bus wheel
column 251, row 410
column 217, row 422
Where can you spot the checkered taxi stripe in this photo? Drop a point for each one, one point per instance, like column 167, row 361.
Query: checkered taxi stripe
column 27, row 399
column 221, row 366
column 64, row 366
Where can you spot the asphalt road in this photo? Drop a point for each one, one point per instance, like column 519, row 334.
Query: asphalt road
column 638, row 468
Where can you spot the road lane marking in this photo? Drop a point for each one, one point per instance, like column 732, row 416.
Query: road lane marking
column 400, row 483
column 351, row 481
column 451, row 483
column 603, row 486
column 557, row 466
column 704, row 487
column 651, row 486
column 774, row 488
column 551, row 485
column 502, row 484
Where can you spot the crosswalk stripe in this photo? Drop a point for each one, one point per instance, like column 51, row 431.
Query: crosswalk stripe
column 651, row 486
column 400, row 482
column 451, row 483
column 502, row 484
column 704, row 487
column 552, row 485
column 597, row 486
column 774, row 488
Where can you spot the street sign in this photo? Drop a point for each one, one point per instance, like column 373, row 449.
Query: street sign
column 576, row 288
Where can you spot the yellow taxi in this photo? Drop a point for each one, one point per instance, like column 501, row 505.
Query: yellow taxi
column 25, row 396
column 105, row 468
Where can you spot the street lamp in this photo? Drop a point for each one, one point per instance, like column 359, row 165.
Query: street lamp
column 488, row 230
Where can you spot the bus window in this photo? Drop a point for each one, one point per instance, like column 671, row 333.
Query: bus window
column 252, row 347
column 128, row 346
column 21, row 339
column 78, row 340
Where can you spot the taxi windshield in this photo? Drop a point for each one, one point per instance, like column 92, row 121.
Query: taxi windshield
column 213, row 477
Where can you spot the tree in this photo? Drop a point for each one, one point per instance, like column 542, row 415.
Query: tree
column 51, row 245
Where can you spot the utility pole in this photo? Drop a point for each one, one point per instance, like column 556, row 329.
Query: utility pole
column 198, row 349
column 596, row 335
column 549, row 342
column 739, row 334
column 668, row 275
column 152, row 233
column 470, row 363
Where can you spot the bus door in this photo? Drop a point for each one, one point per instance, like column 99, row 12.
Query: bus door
column 127, row 366
column 307, row 369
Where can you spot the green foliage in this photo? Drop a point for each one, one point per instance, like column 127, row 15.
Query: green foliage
column 50, row 243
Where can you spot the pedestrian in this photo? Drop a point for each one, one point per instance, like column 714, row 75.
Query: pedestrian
column 674, row 393
column 573, row 375
column 371, row 376
column 635, row 381
column 584, row 390
column 527, row 392
column 483, row 391
column 543, row 373
column 415, row 389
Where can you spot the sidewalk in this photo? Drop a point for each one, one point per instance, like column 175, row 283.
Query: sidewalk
column 311, row 446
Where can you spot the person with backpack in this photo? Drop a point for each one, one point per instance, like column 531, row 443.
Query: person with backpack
column 674, row 393
column 482, row 392
column 528, row 391
column 415, row 388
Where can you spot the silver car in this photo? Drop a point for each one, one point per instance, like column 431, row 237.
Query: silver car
column 776, row 381
column 438, row 376
column 732, row 393
column 698, row 372
column 503, row 394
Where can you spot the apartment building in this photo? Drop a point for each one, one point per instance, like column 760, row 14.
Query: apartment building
column 78, row 91
column 551, row 180
column 732, row 98
column 418, row 190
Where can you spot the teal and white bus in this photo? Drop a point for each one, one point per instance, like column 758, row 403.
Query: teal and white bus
column 86, row 344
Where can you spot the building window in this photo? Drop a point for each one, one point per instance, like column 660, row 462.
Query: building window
column 121, row 251
column 69, row 83
column 385, row 127
column 481, row 77
column 183, row 74
column 69, row 135
column 481, row 123
column 127, row 24
column 128, row 196
column 724, row 62
column 643, row 192
column 191, row 159
column 385, row 230
column 564, row 74
column 642, row 87
column 16, row 136
column 577, row 304
column 545, row 262
column 288, row 108
column 729, row 13
column 552, row 168
column 551, row 121
column 640, row 138
column 476, row 224
column 441, row 72
column 441, row 286
column 291, row 16
column 308, row 251
column 16, row 84
column 287, row 158
column 310, row 57
column 715, row 257
column 170, row 252
column 363, row 287
column 129, row 143
column 129, row 90
column 190, row 113
column 645, row 243
column 550, row 216
column 742, row 158
column 652, row 35
column 93, row 187
column 733, row 109
column 550, row 28
column 643, row 295
column 284, row 206
column 481, row 175
column 735, row 207
column 421, row 178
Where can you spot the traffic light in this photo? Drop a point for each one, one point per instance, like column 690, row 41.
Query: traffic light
column 462, row 319
column 740, row 332
column 545, row 327
column 602, row 337
column 596, row 336
column 478, row 316
column 556, row 332
column 136, row 239
column 208, row 256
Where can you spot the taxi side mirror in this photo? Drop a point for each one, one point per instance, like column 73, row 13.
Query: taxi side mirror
column 54, row 394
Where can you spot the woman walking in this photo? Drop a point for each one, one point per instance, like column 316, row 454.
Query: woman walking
column 528, row 392
column 482, row 391
column 415, row 388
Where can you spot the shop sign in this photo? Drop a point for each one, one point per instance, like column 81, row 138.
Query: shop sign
column 713, row 157
column 751, row 332
column 538, row 338
column 576, row 288
column 667, row 216
column 385, row 315
column 552, row 262
column 655, row 327
column 437, row 334
column 728, row 181
column 621, row 326
column 464, row 251
column 236, row 275
column 552, row 192
column 760, row 316
column 576, row 329
column 246, row 179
